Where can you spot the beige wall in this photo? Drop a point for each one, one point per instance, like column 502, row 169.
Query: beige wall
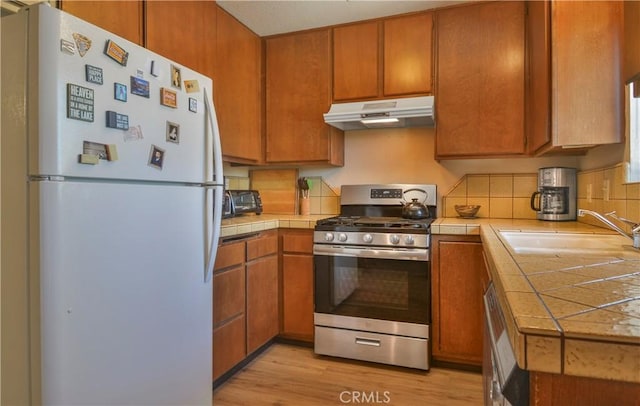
column 407, row 156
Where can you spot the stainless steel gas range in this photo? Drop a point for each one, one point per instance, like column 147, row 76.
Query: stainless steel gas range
column 372, row 276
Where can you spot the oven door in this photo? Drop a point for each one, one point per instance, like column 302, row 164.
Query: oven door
column 372, row 283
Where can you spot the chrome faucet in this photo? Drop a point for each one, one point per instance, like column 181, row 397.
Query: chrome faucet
column 635, row 227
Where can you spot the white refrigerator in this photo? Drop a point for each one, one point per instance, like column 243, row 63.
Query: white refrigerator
column 111, row 207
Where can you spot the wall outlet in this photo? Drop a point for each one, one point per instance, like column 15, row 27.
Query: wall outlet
column 605, row 190
column 589, row 193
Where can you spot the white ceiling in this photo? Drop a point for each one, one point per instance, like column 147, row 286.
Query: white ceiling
column 269, row 17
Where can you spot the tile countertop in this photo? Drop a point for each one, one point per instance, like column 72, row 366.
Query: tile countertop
column 251, row 223
column 572, row 314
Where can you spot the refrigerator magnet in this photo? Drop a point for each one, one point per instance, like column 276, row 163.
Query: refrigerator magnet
column 120, row 92
column 173, row 132
column 168, row 98
column 139, row 87
column 88, row 159
column 156, row 157
column 116, row 52
column 79, row 103
column 193, row 105
column 134, row 133
column 94, row 148
column 67, row 47
column 93, row 74
column 176, row 77
column 112, row 152
column 191, row 86
column 83, row 44
column 153, row 69
column 117, row 120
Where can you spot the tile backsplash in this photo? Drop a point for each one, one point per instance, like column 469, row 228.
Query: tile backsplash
column 499, row 195
column 324, row 200
column 509, row 195
column 603, row 190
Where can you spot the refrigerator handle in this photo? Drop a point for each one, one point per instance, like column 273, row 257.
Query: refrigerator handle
column 214, row 152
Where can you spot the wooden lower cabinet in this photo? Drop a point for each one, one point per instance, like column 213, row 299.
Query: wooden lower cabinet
column 296, row 248
column 245, row 298
column 262, row 290
column 552, row 389
column 229, row 325
column 228, row 346
column 457, row 270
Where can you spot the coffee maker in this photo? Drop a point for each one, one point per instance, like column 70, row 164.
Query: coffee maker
column 555, row 199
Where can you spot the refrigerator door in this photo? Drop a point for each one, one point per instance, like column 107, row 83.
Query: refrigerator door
column 77, row 91
column 125, row 316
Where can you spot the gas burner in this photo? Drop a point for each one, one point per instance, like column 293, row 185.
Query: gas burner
column 363, row 223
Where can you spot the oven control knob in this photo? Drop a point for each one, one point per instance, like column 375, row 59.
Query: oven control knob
column 394, row 239
column 342, row 237
column 409, row 240
column 328, row 237
column 367, row 238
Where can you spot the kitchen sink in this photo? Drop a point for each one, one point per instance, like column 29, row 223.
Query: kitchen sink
column 550, row 243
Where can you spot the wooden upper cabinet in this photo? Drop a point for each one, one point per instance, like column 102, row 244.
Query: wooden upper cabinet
column 383, row 58
column 183, row 31
column 480, row 80
column 123, row 18
column 631, row 40
column 407, row 55
column 297, row 95
column 576, row 85
column 237, row 90
column 355, row 61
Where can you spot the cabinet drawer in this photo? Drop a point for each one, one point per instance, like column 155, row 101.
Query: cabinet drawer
column 297, row 241
column 228, row 346
column 372, row 347
column 265, row 244
column 230, row 254
column 228, row 294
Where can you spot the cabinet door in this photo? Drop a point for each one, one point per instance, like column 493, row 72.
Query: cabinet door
column 297, row 296
column 238, row 90
column 297, row 94
column 480, row 82
column 457, row 273
column 262, row 301
column 123, row 17
column 631, row 40
column 355, row 61
column 183, row 31
column 587, row 92
column 297, row 284
column 539, row 83
column 407, row 55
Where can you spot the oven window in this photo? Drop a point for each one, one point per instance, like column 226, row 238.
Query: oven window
column 385, row 289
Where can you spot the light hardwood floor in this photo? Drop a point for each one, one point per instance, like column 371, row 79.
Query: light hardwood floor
column 291, row 375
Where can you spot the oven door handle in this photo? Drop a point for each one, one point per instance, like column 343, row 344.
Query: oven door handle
column 409, row 254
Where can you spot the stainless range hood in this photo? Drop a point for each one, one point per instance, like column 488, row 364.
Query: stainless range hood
column 392, row 113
